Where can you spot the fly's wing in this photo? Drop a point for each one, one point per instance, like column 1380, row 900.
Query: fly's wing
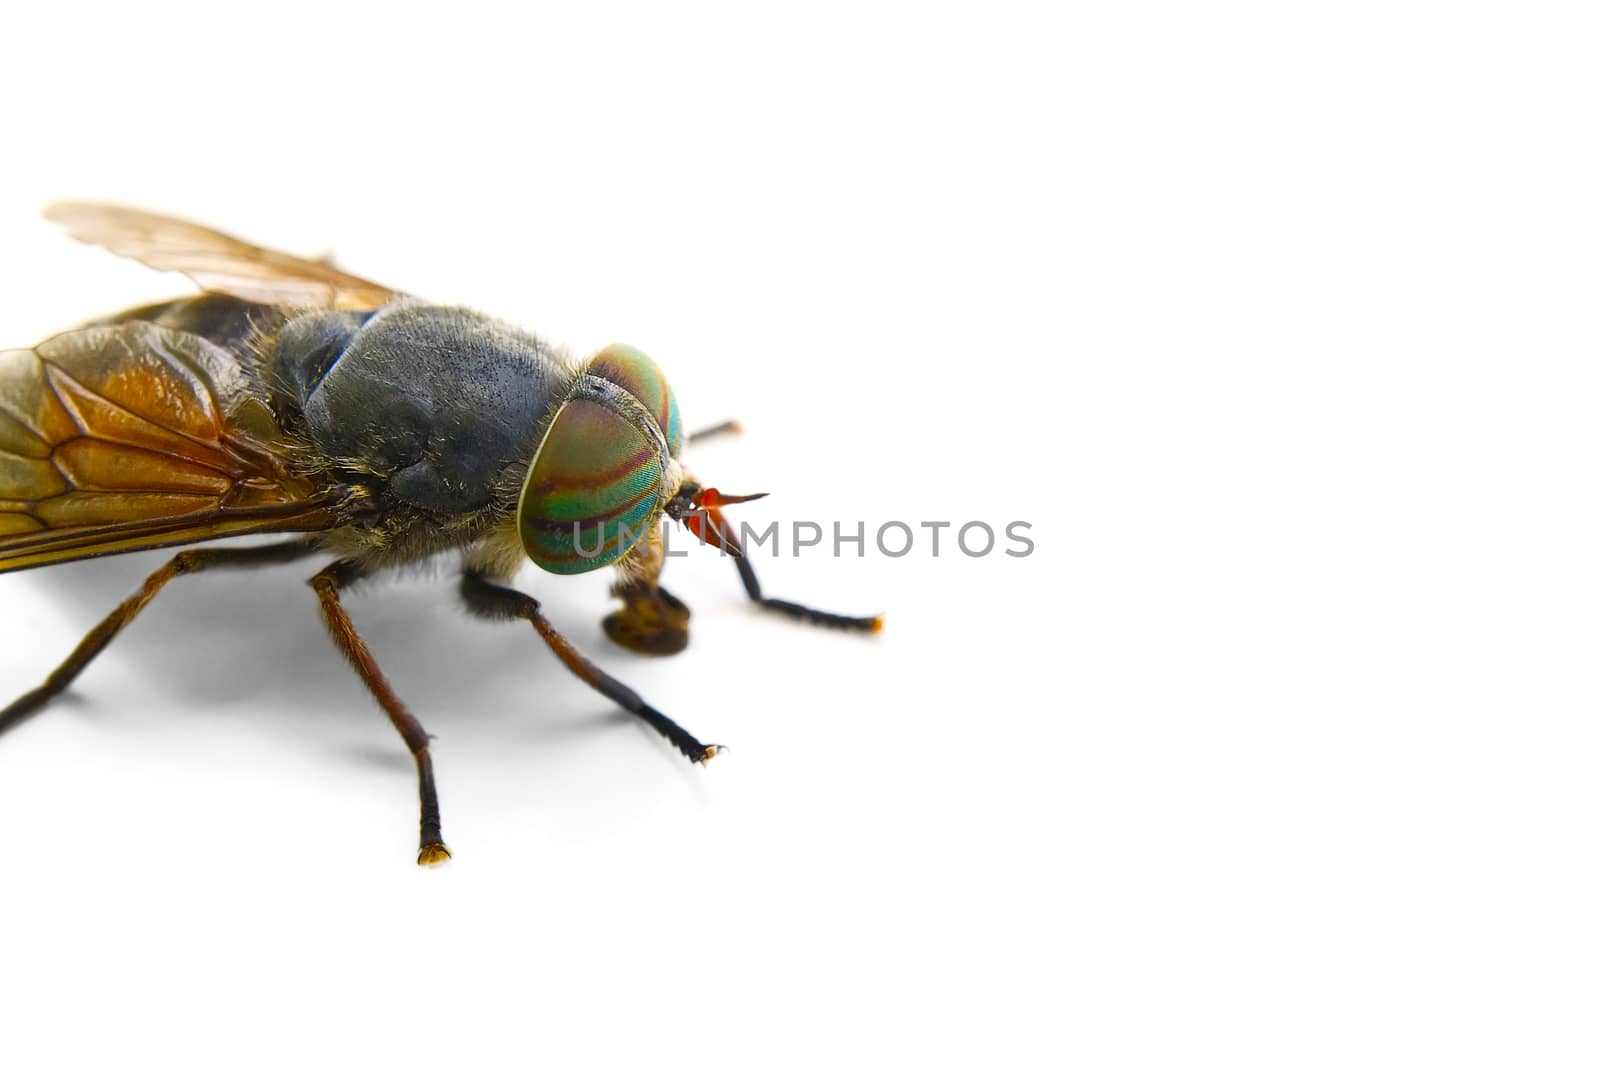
column 132, row 436
column 216, row 261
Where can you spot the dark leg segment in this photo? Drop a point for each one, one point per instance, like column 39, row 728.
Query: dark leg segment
column 328, row 583
column 185, row 563
column 752, row 586
column 502, row 603
column 717, row 430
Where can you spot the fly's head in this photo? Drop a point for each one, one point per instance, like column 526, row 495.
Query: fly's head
column 608, row 469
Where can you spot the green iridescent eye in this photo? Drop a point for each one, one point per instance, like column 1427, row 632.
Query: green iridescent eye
column 595, row 486
column 638, row 374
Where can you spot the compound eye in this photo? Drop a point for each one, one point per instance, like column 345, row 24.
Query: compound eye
column 595, row 488
column 639, row 375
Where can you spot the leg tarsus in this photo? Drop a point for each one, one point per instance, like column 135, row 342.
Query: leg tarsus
column 717, row 430
column 795, row 611
column 433, row 854
column 503, row 603
column 650, row 621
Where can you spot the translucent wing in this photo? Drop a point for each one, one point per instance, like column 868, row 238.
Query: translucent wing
column 132, row 436
column 216, row 261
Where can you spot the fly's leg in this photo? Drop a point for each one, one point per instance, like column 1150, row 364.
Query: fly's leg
column 502, row 603
column 705, row 519
column 752, row 586
column 187, row 562
column 642, row 601
column 328, row 584
column 717, row 430
column 651, row 620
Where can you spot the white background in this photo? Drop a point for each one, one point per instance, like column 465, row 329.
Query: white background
column 1276, row 323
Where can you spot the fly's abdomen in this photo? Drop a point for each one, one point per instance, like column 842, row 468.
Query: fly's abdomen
column 431, row 404
column 230, row 322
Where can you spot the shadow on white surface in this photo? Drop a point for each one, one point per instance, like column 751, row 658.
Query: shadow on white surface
column 250, row 646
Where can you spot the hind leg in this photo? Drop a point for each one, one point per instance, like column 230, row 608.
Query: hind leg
column 187, row 562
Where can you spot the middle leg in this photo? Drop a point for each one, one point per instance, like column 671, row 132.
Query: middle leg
column 328, row 584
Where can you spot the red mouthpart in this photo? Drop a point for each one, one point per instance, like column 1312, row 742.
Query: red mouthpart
column 707, row 523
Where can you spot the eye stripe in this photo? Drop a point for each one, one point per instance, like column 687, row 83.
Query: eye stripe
column 639, row 375
column 599, row 479
column 600, row 545
column 552, row 520
column 601, row 542
column 596, row 484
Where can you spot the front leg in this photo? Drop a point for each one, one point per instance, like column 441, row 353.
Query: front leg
column 651, row 620
column 503, row 603
column 752, row 586
column 700, row 509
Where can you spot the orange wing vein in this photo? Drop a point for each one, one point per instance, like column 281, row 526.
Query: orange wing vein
column 133, row 436
column 217, row 261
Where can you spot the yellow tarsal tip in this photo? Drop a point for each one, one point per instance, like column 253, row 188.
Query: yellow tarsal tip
column 433, row 854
